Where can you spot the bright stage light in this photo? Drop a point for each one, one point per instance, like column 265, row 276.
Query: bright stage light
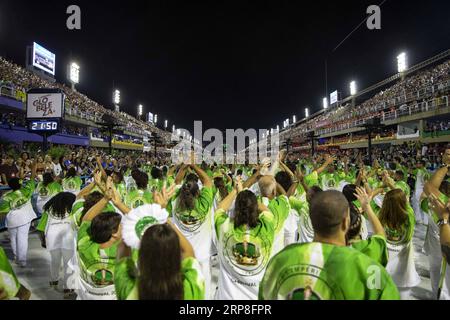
column 325, row 103
column 352, row 88
column 156, row 118
column 74, row 73
column 165, row 123
column 116, row 96
column 306, row 112
column 402, row 64
column 140, row 110
column 294, row 119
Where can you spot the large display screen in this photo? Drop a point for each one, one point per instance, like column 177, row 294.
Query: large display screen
column 45, row 105
column 43, row 59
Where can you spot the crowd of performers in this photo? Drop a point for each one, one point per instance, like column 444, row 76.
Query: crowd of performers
column 300, row 227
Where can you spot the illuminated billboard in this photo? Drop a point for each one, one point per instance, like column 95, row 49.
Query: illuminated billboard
column 43, row 59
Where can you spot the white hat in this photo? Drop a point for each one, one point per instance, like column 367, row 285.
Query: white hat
column 138, row 220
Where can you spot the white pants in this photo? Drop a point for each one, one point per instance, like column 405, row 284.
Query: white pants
column 421, row 217
column 205, row 265
column 19, row 242
column 55, row 263
column 405, row 293
column 435, row 273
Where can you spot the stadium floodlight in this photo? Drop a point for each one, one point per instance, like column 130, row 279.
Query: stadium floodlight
column 165, row 124
column 74, row 74
column 325, row 102
column 156, row 118
column 402, row 64
column 352, row 88
column 306, row 113
column 294, row 119
column 116, row 96
column 140, row 110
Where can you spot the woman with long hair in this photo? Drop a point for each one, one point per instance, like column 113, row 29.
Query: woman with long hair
column 59, row 235
column 175, row 277
column 244, row 244
column 397, row 217
column 192, row 215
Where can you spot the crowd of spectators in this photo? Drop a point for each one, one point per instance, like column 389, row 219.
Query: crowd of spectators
column 17, row 80
column 391, row 99
column 436, row 126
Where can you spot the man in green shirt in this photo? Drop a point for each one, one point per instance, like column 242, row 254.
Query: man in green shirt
column 326, row 268
column 9, row 285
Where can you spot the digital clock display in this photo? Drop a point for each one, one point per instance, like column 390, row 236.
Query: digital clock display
column 44, row 125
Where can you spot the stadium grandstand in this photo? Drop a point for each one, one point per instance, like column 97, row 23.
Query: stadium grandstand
column 413, row 107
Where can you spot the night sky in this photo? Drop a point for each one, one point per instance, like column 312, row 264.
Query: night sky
column 231, row 64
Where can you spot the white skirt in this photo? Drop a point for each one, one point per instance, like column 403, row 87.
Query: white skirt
column 401, row 265
column 445, row 290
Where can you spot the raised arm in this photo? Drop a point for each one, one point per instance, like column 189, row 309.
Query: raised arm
column 254, row 178
column 226, row 203
column 180, row 175
column 100, row 166
column 86, row 190
column 301, row 179
column 96, row 209
column 364, row 199
column 204, row 178
column 327, row 162
column 432, row 186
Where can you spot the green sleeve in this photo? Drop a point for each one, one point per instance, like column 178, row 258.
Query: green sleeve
column 193, row 281
column 280, row 208
column 4, row 206
column 312, row 179
column 204, row 202
column 83, row 238
column 58, row 187
column 8, row 279
column 220, row 217
column 43, row 222
column 28, row 189
column 125, row 277
column 267, row 220
column 411, row 223
column 296, row 204
column 77, row 210
column 148, row 196
column 403, row 186
column 374, row 247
